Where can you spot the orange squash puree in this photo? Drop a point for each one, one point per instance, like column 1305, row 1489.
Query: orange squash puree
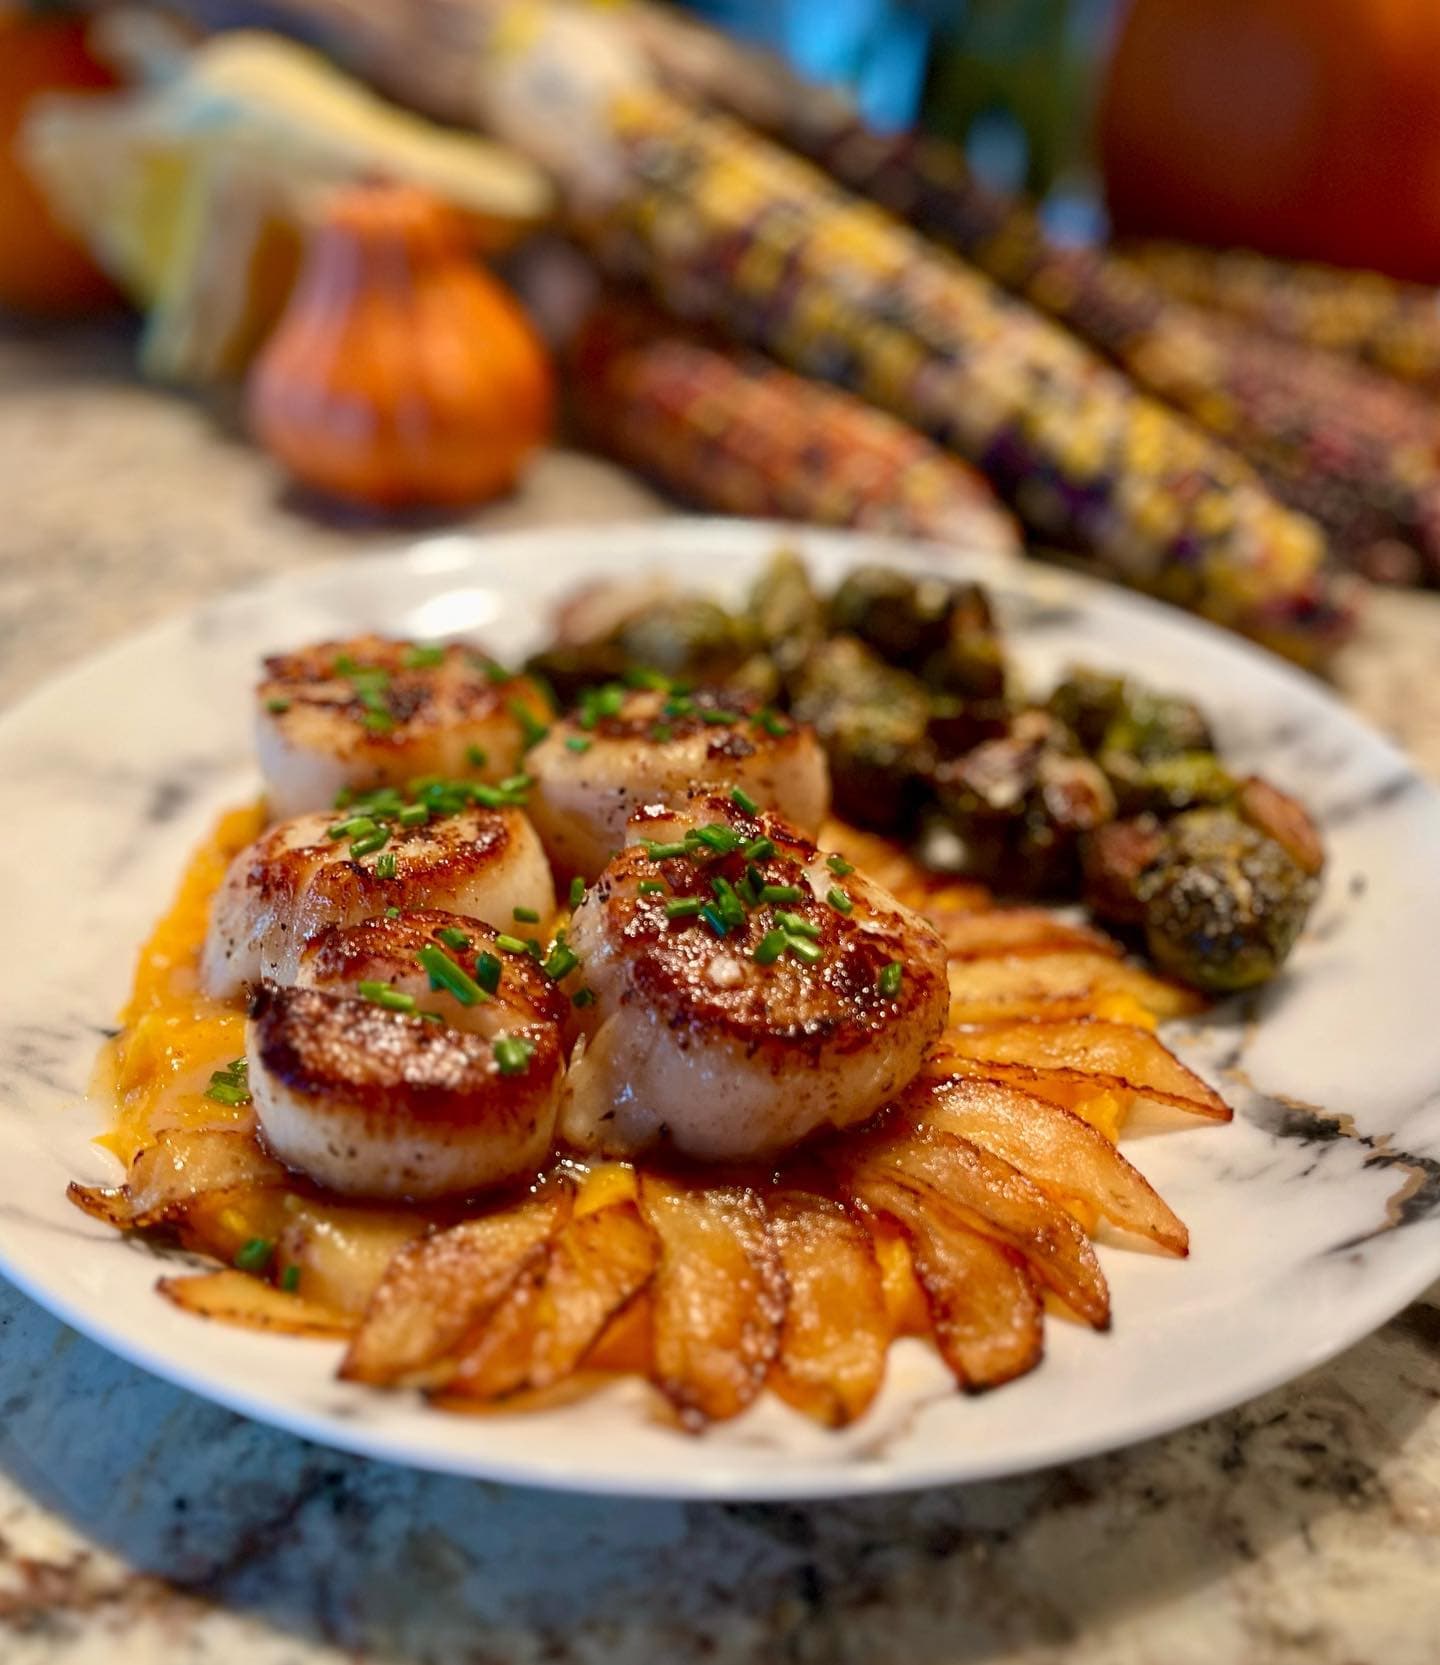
column 173, row 1037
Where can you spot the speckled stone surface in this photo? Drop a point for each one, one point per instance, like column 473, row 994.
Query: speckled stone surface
column 138, row 1523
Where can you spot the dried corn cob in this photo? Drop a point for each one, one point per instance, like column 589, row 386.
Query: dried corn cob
column 729, row 227
column 745, row 437
column 1391, row 326
column 1353, row 449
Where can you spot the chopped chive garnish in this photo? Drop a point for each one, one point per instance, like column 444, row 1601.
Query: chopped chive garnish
column 661, row 852
column 583, row 997
column 714, row 835
column 888, row 981
column 255, row 1255
column 796, row 925
column 392, row 913
column 278, row 706
column 512, row 945
column 495, row 672
column 759, row 849
column 476, row 756
column 738, row 795
column 770, row 720
column 453, row 937
column 532, row 730
column 780, row 893
column 413, row 815
column 379, row 722
column 381, row 994
column 717, row 719
column 370, row 842
column 684, row 907
column 839, row 866
column 839, row 900
column 577, row 892
column 560, row 962
column 526, row 916
column 513, row 1054
column 770, row 947
column 579, row 743
column 732, row 909
column 662, row 733
column 809, row 952
column 229, row 1086
column 679, row 705
column 356, row 827
column 424, row 656
column 290, row 1279
column 238, row 1066
column 641, row 677
column 445, row 974
column 385, row 865
column 517, row 783
column 605, row 701
column 487, row 973
column 748, row 891
column 647, row 887
column 715, row 920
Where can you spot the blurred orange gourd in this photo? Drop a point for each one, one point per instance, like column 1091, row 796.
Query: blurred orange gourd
column 42, row 269
column 1307, row 129
column 401, row 374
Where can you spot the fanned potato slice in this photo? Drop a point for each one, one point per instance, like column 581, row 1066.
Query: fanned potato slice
column 438, row 1293
column 1067, row 984
column 836, row 1333
column 986, row 1194
column 984, row 1309
column 1082, row 1050
column 596, row 1266
column 237, row 1298
column 719, row 1296
column 1061, row 1153
column 976, row 935
column 342, row 1250
column 180, row 1167
column 890, row 864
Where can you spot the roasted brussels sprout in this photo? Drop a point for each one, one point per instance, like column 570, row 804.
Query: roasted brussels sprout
column 787, row 617
column 1167, row 786
column 1147, row 726
column 940, row 630
column 1086, row 701
column 685, row 636
column 1222, row 902
column 1021, row 804
column 1112, row 858
column 872, row 721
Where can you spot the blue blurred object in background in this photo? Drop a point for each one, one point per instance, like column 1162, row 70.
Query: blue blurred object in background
column 878, row 49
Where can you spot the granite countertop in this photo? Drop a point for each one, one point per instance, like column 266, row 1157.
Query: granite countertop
column 138, row 1523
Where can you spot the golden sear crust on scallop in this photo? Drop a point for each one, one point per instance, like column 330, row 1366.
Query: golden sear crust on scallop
column 423, row 691
column 381, row 1070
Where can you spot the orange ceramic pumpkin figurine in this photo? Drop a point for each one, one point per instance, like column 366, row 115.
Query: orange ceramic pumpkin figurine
column 42, row 269
column 401, row 373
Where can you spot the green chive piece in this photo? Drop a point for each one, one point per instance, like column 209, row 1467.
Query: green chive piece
column 796, row 926
column 718, row 719
column 487, row 972
column 392, row 913
column 238, row 1066
column 647, row 887
column 517, row 783
column 715, row 920
column 732, row 909
column 662, row 852
column 714, row 835
column 355, row 827
column 577, row 892
column 810, row 952
column 579, row 743
column 771, row 721
column 512, row 1054
column 839, row 866
column 642, row 677
column 839, row 900
column 679, row 705
column 738, row 795
column 583, row 997
column 424, row 656
column 290, row 1279
column 379, row 722
column 278, row 706
column 532, row 730
column 526, row 916
column 228, row 1087
column 495, row 672
column 780, row 893
column 748, row 891
column 759, row 849
column 662, row 733
column 381, row 994
column 385, row 865
column 770, row 947
column 888, row 981
column 453, row 937
column 511, row 945
column 560, row 962
column 255, row 1255
column 413, row 815
column 369, row 843
column 445, row 974
column 684, row 907
column 476, row 756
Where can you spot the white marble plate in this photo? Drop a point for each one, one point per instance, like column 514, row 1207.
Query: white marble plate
column 1313, row 1217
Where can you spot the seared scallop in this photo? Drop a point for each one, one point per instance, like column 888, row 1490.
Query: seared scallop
column 455, row 968
column 374, row 1102
column 374, row 712
column 625, row 748
column 311, row 872
column 747, row 990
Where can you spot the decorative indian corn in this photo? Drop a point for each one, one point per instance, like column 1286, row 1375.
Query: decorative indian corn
column 1350, row 447
column 729, row 227
column 738, row 434
column 1391, row 326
